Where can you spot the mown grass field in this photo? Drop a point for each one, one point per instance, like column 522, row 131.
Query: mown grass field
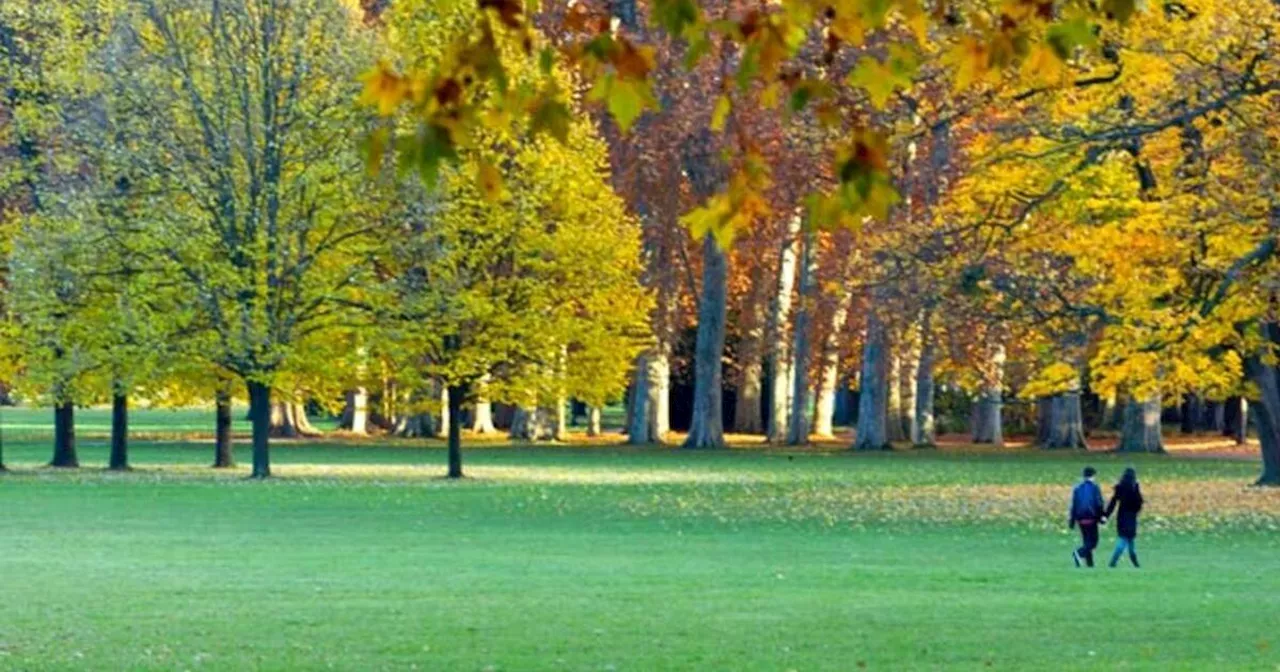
column 359, row 558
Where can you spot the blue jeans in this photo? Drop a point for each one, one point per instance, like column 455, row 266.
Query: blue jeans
column 1121, row 544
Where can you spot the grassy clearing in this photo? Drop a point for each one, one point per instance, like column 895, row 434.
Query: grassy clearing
column 359, row 558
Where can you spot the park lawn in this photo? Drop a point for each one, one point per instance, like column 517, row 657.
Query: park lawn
column 358, row 558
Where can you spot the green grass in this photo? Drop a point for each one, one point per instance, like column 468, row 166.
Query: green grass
column 359, row 558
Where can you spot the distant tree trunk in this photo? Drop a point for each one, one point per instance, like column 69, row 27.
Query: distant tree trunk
column 1061, row 422
column 922, row 423
column 119, row 459
column 355, row 413
column 223, row 448
column 482, row 418
column 560, row 420
column 288, row 419
column 648, row 418
column 64, row 436
column 747, row 416
column 707, row 429
column 593, row 421
column 1111, row 413
column 1267, row 410
column 1189, row 414
column 1236, row 419
column 988, row 426
column 824, row 410
column 532, row 423
column 871, row 433
column 895, row 431
column 1141, row 432
column 779, row 356
column 798, row 424
column 639, row 404
column 1219, row 419
column 453, row 400
column 446, row 423
column 260, row 414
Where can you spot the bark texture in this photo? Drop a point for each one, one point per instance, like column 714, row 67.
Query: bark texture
column 260, row 415
column 798, row 424
column 1060, row 422
column 988, row 425
column 779, row 357
column 223, row 448
column 923, row 431
column 119, row 458
column 593, row 421
column 706, row 428
column 64, row 436
column 871, row 433
column 455, row 395
column 1141, row 432
column 824, row 407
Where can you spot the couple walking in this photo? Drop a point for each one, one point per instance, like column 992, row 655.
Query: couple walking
column 1088, row 511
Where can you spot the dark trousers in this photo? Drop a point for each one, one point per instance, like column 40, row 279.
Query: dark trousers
column 1089, row 541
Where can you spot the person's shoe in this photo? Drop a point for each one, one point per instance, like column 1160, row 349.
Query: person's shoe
column 1075, row 557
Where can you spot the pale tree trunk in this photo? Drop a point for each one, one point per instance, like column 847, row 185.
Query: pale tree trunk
column 532, row 423
column 828, row 379
column 355, row 412
column 443, row 427
column 1061, row 423
column 895, row 430
column 871, row 433
column 1141, row 432
column 559, row 420
column 649, row 408
column 798, row 424
column 593, row 421
column 707, row 426
column 779, row 354
column 910, row 370
column 638, row 403
column 988, row 426
column 482, row 420
column 922, row 422
column 747, row 417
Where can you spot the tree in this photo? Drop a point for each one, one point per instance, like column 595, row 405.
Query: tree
column 252, row 137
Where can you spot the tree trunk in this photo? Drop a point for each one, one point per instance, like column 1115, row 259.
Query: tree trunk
column 1112, row 415
column 559, row 420
column 119, row 459
column 482, row 419
column 355, row 414
column 922, row 423
column 1061, row 422
column 1141, row 433
column 64, row 436
column 1188, row 414
column 988, row 426
column 1235, row 419
column 260, row 408
column 707, row 425
column 824, row 410
column 593, row 421
column 1219, row 419
column 638, row 403
column 895, row 431
column 1267, row 411
column 529, row 424
column 798, row 423
column 650, row 408
column 871, row 433
column 453, row 407
column 779, row 363
column 223, row 449
column 747, row 415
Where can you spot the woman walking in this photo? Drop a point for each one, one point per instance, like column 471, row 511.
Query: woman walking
column 1128, row 498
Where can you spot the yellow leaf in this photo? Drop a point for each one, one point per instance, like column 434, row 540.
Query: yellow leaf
column 720, row 113
column 489, row 180
column 384, row 88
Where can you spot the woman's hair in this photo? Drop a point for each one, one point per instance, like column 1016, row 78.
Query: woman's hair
column 1128, row 479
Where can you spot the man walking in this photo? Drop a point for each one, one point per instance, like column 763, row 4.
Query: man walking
column 1087, row 510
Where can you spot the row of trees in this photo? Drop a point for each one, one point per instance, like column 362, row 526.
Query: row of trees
column 189, row 207
column 1024, row 198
